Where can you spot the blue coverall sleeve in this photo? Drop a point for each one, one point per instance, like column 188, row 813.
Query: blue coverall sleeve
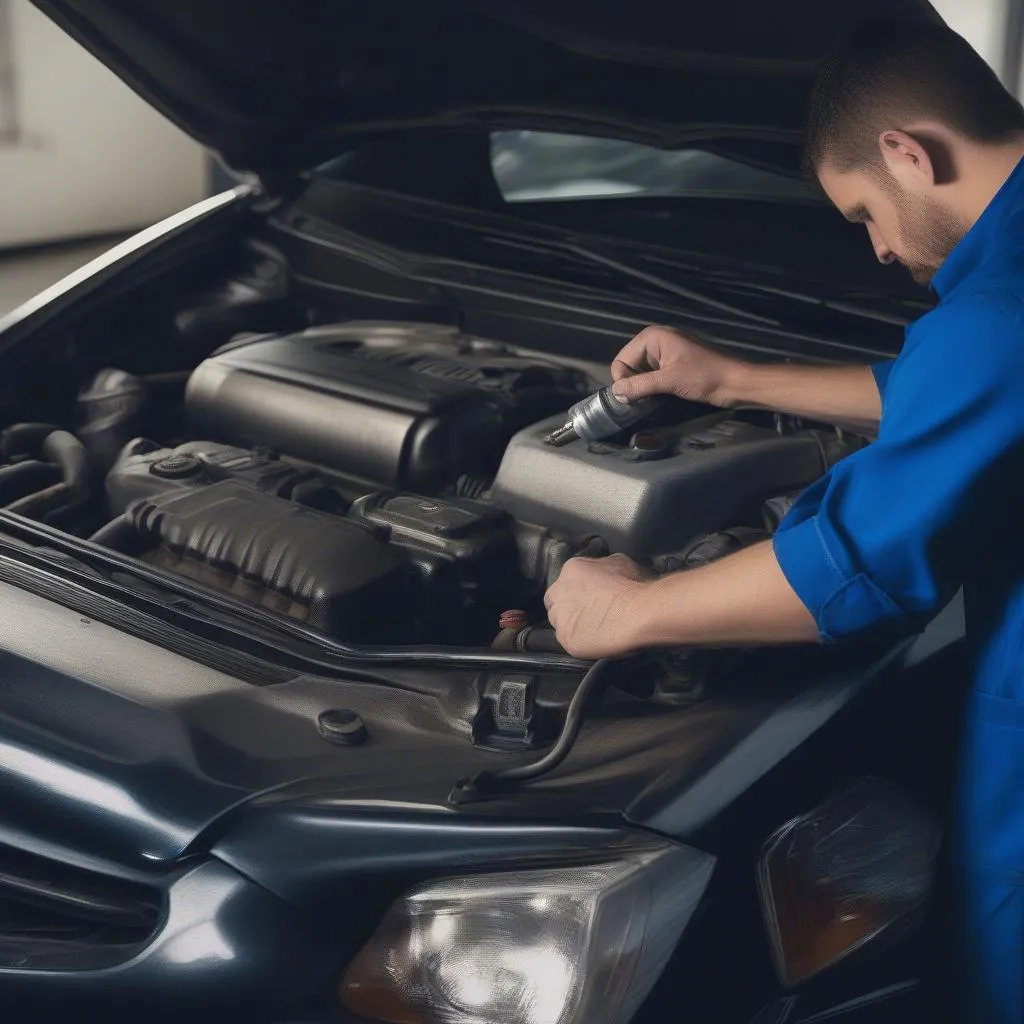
column 883, row 535
column 881, row 371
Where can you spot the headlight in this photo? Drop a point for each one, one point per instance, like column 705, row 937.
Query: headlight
column 856, row 870
column 560, row 946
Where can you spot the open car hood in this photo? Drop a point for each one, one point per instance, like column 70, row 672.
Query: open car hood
column 275, row 87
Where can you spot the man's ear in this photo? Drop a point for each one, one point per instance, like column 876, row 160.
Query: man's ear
column 908, row 161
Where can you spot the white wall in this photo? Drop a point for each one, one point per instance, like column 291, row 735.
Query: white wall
column 92, row 157
column 980, row 22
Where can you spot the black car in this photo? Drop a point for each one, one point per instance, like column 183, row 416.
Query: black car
column 284, row 735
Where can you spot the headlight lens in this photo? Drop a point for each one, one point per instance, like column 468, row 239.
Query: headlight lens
column 559, row 946
column 856, row 870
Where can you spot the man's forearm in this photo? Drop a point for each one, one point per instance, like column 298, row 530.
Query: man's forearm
column 844, row 395
column 743, row 599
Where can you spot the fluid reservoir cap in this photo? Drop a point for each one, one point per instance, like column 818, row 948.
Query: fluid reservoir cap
column 646, row 441
column 175, row 467
column 341, row 725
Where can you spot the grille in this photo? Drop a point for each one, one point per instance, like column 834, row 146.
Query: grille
column 57, row 917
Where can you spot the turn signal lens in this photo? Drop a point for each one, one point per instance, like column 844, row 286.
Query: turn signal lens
column 855, row 871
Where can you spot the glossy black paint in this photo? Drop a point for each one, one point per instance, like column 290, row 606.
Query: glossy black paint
column 124, row 758
column 143, row 750
column 346, row 842
column 223, row 943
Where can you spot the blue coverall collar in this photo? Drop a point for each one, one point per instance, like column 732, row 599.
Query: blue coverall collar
column 983, row 239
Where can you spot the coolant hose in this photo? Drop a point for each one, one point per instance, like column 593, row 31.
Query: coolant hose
column 23, row 478
column 538, row 640
column 23, row 438
column 561, row 552
column 115, row 535
column 70, row 456
column 73, row 458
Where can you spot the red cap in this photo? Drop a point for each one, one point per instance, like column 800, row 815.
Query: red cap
column 515, row 618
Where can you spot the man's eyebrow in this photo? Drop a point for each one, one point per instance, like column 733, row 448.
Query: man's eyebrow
column 856, row 215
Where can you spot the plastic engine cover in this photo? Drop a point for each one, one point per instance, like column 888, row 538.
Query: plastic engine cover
column 328, row 572
column 651, row 499
column 403, row 406
column 143, row 469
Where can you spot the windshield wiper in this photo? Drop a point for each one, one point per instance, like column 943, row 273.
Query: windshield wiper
column 726, row 281
column 672, row 287
column 489, row 277
column 587, row 255
column 445, row 271
column 745, row 280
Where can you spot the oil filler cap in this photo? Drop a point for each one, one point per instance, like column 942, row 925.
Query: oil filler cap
column 176, row 467
column 646, row 441
column 644, row 446
column 342, row 726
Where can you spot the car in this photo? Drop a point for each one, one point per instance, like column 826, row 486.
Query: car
column 284, row 735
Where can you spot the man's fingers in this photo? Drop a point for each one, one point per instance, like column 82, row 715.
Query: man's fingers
column 643, row 385
column 622, row 369
column 617, row 556
column 638, row 354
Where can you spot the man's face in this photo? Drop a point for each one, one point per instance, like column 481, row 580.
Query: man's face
column 914, row 229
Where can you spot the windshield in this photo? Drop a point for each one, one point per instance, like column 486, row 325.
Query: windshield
column 534, row 166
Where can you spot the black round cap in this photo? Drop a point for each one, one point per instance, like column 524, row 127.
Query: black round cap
column 340, row 725
column 175, row 467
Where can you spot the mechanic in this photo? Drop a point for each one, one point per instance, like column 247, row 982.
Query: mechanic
column 911, row 135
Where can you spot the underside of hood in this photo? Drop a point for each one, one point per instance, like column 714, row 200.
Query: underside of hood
column 275, row 87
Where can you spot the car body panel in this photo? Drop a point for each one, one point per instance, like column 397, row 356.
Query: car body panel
column 137, row 756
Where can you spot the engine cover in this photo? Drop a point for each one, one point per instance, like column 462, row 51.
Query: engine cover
column 392, row 567
column 651, row 497
column 329, row 572
column 404, row 407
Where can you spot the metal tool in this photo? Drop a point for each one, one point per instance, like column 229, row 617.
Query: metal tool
column 599, row 416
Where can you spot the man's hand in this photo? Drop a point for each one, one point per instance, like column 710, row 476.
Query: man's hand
column 661, row 361
column 606, row 607
column 591, row 606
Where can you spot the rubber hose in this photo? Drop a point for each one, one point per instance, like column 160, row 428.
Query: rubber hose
column 73, row 458
column 23, row 478
column 538, row 640
column 486, row 780
column 593, row 547
column 41, row 502
column 115, row 534
column 23, row 438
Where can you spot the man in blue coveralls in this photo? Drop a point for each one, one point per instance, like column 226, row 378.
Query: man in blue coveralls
column 911, row 135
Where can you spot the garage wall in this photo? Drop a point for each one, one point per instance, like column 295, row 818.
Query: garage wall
column 980, row 22
column 90, row 157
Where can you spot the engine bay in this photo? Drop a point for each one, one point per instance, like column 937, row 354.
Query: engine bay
column 388, row 483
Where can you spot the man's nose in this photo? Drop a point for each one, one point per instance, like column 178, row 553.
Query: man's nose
column 884, row 254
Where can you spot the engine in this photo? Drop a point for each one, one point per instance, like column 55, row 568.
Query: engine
column 391, row 405
column 387, row 483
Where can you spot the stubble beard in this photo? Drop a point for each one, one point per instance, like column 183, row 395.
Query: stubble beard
column 929, row 232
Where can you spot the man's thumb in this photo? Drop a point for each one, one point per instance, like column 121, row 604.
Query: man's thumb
column 641, row 385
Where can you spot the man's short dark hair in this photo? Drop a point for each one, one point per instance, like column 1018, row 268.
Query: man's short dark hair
column 891, row 74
